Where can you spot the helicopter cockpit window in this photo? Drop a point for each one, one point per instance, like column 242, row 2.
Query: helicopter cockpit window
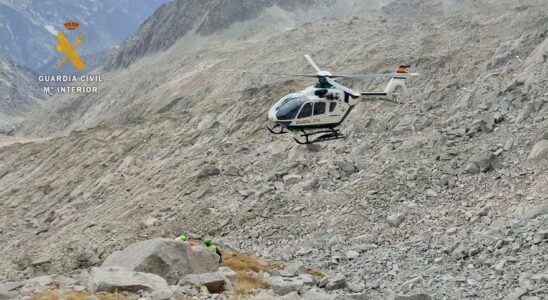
column 306, row 111
column 289, row 108
column 332, row 106
column 319, row 108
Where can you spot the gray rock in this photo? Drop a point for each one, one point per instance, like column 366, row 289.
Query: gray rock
column 295, row 269
column 44, row 283
column 317, row 295
column 538, row 153
column 471, row 168
column 309, row 185
column 165, row 294
column 229, row 274
column 112, row 279
column 292, row 179
column 395, row 219
column 347, row 167
column 215, row 282
column 409, row 283
column 542, row 136
column 459, row 252
column 354, row 287
column 207, row 172
column 517, row 293
column 284, row 285
column 232, row 171
column 5, row 295
column 308, row 280
column 540, row 236
column 537, row 211
column 390, row 295
column 352, row 254
column 540, row 278
column 484, row 162
column 444, row 180
column 10, row 286
column 323, row 281
column 336, row 283
column 167, row 258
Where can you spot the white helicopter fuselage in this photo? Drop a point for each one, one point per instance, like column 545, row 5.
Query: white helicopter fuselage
column 317, row 110
column 312, row 108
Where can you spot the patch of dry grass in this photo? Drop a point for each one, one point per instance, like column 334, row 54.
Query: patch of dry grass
column 246, row 267
column 315, row 272
column 76, row 295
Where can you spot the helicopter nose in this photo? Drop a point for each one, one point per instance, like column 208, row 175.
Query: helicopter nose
column 272, row 114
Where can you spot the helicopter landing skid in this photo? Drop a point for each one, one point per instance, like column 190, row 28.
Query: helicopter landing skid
column 273, row 129
column 319, row 136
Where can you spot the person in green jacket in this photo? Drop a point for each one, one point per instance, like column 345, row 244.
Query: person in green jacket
column 209, row 243
column 181, row 238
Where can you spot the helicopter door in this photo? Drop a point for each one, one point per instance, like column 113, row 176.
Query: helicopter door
column 319, row 108
column 306, row 111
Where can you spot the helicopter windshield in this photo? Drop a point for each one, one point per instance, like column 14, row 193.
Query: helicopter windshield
column 290, row 107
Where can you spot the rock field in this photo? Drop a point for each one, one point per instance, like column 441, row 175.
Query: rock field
column 442, row 197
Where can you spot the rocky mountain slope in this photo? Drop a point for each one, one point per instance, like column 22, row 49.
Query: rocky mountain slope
column 125, row 94
column 444, row 195
column 179, row 18
column 28, row 26
column 18, row 93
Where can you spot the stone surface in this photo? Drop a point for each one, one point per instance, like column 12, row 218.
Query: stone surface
column 335, row 283
column 215, row 282
column 284, row 285
column 292, row 179
column 390, row 295
column 538, row 153
column 395, row 219
column 229, row 274
column 169, row 259
column 112, row 279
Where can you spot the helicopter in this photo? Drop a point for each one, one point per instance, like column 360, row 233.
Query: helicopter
column 317, row 111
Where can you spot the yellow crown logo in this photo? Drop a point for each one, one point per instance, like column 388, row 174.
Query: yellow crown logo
column 71, row 25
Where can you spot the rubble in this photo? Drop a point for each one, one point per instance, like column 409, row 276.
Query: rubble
column 409, row 190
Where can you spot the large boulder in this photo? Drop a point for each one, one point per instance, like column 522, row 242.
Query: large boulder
column 167, row 258
column 113, row 279
column 538, row 153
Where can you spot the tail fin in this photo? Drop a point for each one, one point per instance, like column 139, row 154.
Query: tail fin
column 398, row 81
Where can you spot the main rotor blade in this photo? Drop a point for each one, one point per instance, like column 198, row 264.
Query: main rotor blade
column 365, row 76
column 311, row 62
column 279, row 74
column 342, row 87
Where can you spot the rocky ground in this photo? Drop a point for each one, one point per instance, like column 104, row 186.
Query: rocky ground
column 446, row 195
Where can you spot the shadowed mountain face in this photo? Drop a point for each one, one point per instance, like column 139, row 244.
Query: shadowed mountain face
column 27, row 27
column 18, row 93
column 176, row 19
